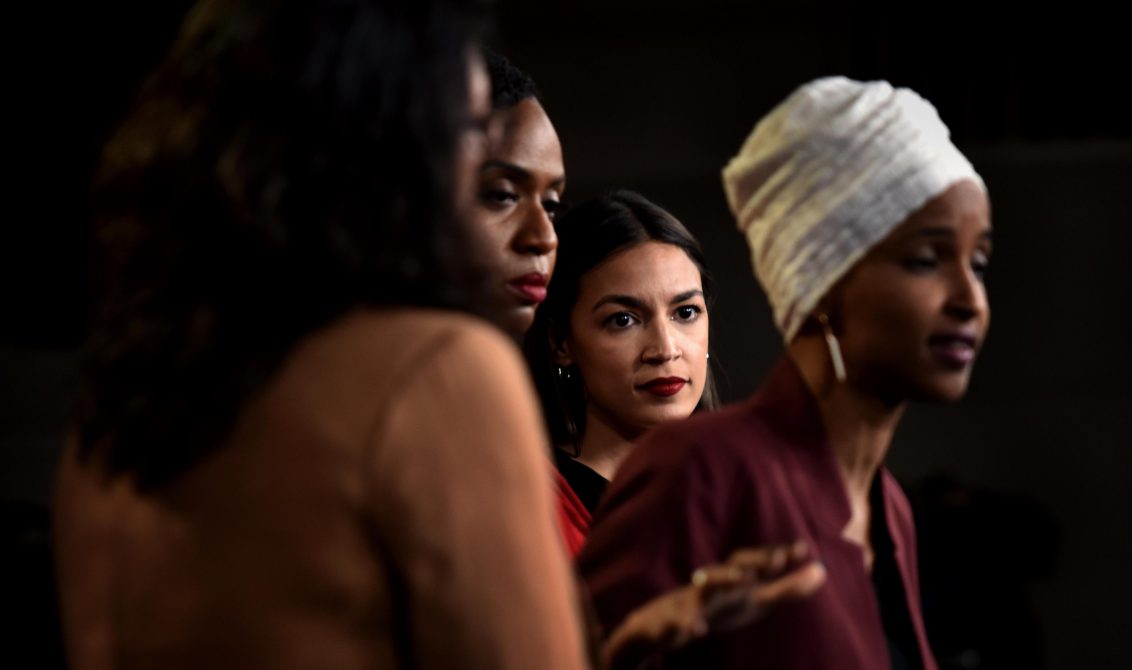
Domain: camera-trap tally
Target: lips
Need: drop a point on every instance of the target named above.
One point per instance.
(531, 287)
(954, 350)
(664, 386)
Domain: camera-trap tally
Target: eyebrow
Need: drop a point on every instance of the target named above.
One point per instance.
(945, 231)
(630, 301)
(520, 172)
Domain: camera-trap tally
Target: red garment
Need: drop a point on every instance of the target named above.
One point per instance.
(573, 517)
(757, 473)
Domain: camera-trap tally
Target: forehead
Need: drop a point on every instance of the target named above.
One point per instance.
(524, 133)
(962, 208)
(653, 269)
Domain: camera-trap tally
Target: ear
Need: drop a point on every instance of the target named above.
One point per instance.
(560, 351)
(812, 323)
(829, 304)
(834, 299)
(825, 305)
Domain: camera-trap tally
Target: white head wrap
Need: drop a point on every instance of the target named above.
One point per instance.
(827, 175)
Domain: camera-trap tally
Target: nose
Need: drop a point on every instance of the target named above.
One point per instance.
(967, 296)
(536, 235)
(662, 345)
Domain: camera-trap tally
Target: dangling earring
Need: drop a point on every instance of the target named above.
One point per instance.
(708, 355)
(563, 373)
(834, 348)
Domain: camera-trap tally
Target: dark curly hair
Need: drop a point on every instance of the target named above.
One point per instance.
(288, 161)
(509, 84)
(587, 235)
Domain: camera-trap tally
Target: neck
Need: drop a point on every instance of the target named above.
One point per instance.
(605, 446)
(858, 424)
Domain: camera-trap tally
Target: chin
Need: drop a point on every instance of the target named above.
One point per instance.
(516, 321)
(946, 390)
(669, 413)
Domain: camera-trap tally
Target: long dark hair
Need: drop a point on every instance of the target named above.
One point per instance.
(287, 162)
(587, 235)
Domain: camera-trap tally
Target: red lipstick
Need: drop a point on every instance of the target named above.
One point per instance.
(664, 386)
(531, 287)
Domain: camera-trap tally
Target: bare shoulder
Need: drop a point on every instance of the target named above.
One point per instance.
(383, 344)
(414, 326)
(464, 345)
(456, 362)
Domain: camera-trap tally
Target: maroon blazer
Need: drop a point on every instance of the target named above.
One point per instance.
(760, 472)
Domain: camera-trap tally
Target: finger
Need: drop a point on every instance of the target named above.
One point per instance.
(799, 550)
(690, 628)
(777, 560)
(742, 604)
(765, 561)
(750, 558)
(798, 583)
(681, 619)
(712, 577)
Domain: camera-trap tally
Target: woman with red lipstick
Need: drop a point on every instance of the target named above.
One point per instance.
(519, 192)
(870, 233)
(621, 344)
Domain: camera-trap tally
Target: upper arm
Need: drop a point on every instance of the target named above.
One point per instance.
(461, 496)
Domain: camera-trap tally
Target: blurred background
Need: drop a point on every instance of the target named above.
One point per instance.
(1022, 491)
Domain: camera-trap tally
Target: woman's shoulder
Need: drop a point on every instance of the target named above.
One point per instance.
(411, 337)
(413, 326)
(371, 363)
(453, 386)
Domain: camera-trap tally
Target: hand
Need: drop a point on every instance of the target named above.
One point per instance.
(719, 598)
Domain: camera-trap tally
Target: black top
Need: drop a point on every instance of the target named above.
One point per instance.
(587, 484)
(903, 650)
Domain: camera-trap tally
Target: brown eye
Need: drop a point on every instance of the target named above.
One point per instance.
(922, 262)
(687, 313)
(498, 196)
(979, 265)
(553, 208)
(620, 320)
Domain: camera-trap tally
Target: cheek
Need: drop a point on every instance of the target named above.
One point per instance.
(886, 321)
(552, 261)
(986, 311)
(605, 361)
(488, 246)
(617, 354)
(697, 349)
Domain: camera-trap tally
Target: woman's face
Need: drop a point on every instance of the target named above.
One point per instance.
(519, 187)
(639, 338)
(912, 314)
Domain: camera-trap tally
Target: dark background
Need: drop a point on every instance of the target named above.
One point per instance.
(1021, 491)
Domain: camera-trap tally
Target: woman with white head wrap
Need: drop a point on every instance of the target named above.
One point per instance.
(869, 232)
